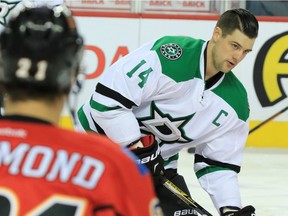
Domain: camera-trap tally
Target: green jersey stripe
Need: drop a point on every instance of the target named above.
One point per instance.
(83, 119)
(210, 169)
(101, 107)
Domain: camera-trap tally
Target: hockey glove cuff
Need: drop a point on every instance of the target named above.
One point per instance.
(234, 211)
(150, 155)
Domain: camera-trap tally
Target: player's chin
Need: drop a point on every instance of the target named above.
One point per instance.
(226, 70)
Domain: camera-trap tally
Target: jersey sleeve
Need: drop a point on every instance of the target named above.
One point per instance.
(131, 81)
(217, 164)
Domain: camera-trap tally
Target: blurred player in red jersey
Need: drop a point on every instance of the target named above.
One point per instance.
(44, 169)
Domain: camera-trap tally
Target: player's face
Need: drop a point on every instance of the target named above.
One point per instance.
(230, 50)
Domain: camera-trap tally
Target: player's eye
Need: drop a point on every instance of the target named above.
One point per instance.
(235, 46)
(247, 51)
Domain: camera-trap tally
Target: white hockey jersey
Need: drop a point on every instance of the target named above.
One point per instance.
(160, 89)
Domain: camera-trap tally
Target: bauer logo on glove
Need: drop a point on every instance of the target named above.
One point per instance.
(150, 155)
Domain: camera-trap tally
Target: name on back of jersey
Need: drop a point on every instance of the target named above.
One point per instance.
(49, 164)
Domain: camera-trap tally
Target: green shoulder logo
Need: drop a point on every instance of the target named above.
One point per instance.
(171, 51)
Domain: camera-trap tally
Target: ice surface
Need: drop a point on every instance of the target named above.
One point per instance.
(263, 181)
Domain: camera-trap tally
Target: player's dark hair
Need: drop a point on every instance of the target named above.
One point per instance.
(240, 19)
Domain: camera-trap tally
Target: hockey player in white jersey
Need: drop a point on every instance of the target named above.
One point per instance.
(178, 92)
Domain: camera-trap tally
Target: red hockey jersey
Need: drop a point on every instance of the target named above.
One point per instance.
(46, 170)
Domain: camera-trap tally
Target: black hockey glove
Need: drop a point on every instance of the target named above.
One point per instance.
(150, 156)
(234, 211)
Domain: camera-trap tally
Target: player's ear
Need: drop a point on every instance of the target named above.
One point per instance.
(217, 33)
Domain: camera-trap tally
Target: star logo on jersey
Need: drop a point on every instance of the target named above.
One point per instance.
(171, 51)
(164, 126)
(5, 8)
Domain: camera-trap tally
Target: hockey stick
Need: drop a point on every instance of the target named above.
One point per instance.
(184, 197)
(268, 120)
